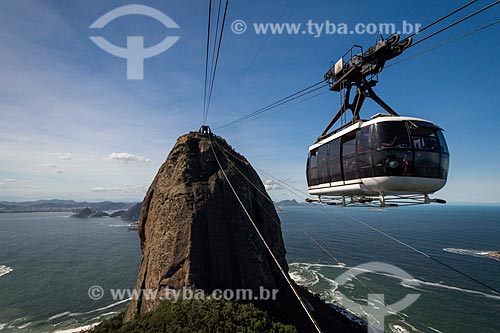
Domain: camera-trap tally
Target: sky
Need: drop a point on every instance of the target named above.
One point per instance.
(72, 126)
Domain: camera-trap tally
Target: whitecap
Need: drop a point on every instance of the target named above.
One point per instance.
(467, 291)
(304, 276)
(100, 309)
(77, 314)
(59, 315)
(24, 326)
(5, 270)
(298, 278)
(434, 329)
(306, 265)
(107, 314)
(398, 329)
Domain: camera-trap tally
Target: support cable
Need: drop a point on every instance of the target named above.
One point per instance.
(206, 62)
(444, 43)
(456, 22)
(280, 102)
(442, 18)
(216, 58)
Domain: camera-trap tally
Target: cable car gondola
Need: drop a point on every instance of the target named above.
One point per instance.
(388, 159)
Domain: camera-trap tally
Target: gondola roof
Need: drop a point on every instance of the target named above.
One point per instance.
(362, 123)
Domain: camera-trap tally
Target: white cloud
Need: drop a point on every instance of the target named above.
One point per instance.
(48, 165)
(271, 185)
(58, 168)
(125, 189)
(13, 183)
(127, 158)
(63, 156)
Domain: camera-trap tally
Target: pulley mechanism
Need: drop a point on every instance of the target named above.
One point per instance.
(360, 70)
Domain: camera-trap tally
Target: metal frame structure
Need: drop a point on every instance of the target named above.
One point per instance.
(361, 71)
(376, 201)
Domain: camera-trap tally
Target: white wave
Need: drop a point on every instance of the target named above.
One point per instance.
(307, 265)
(109, 313)
(467, 291)
(5, 270)
(331, 294)
(59, 315)
(304, 275)
(78, 329)
(409, 286)
(100, 309)
(398, 329)
(105, 315)
(298, 278)
(434, 329)
(77, 314)
(2, 326)
(24, 326)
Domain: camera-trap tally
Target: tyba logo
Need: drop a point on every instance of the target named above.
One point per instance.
(135, 53)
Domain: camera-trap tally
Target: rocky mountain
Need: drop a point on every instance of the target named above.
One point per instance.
(100, 214)
(289, 203)
(84, 213)
(130, 214)
(89, 213)
(118, 213)
(133, 212)
(194, 233)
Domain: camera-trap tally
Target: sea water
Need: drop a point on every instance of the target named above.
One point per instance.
(49, 261)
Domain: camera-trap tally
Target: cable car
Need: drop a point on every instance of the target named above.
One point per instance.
(389, 159)
(385, 156)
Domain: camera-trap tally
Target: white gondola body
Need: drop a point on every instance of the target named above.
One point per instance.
(404, 166)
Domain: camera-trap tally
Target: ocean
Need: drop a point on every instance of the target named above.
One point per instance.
(49, 261)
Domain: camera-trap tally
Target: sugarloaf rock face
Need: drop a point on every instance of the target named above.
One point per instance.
(193, 230)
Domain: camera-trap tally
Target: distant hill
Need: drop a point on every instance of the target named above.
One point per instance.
(60, 206)
(288, 203)
(84, 213)
(133, 213)
(118, 213)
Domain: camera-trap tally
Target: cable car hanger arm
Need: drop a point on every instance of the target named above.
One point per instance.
(363, 90)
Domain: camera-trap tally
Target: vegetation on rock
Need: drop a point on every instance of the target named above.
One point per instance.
(197, 316)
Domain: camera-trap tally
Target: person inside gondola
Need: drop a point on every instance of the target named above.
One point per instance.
(390, 144)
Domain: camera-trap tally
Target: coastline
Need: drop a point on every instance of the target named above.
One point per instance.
(81, 329)
(495, 255)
